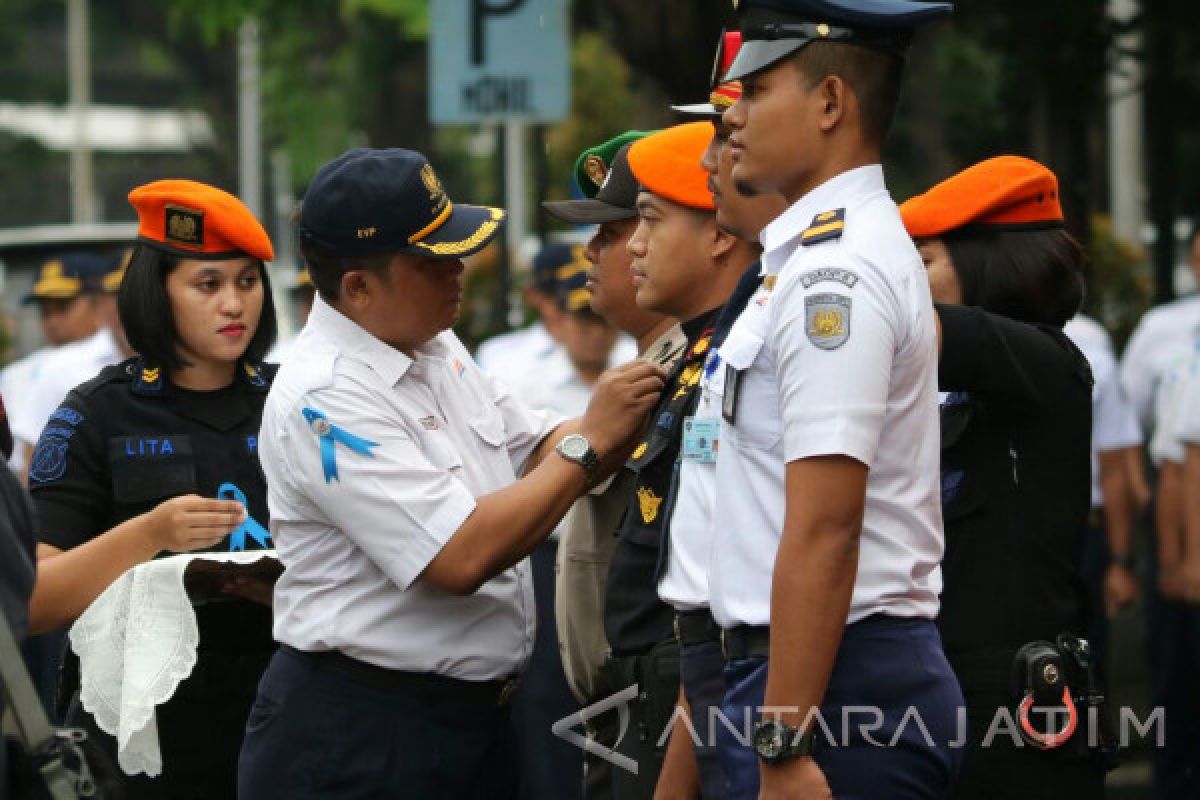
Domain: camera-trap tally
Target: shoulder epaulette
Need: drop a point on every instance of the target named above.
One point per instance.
(259, 374)
(825, 227)
(116, 373)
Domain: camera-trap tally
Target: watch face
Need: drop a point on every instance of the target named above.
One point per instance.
(768, 741)
(575, 446)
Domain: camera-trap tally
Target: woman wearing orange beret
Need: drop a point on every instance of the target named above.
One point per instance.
(158, 455)
(1016, 432)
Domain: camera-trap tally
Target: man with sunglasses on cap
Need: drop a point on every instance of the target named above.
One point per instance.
(64, 292)
(80, 361)
(406, 489)
(825, 564)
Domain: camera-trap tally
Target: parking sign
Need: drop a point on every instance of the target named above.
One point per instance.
(493, 60)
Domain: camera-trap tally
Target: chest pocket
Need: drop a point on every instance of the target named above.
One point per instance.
(151, 467)
(750, 392)
(440, 451)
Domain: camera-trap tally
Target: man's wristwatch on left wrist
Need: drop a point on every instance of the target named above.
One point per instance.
(578, 450)
(776, 742)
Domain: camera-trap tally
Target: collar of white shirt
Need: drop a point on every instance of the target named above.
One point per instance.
(839, 191)
(352, 340)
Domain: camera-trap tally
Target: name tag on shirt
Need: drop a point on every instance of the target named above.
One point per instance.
(700, 437)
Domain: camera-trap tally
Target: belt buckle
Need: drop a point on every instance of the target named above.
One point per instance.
(507, 691)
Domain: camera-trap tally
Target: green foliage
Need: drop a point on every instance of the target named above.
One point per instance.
(602, 106)
(1119, 290)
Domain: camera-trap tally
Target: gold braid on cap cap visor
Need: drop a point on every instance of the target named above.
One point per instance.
(438, 222)
(471, 242)
(57, 287)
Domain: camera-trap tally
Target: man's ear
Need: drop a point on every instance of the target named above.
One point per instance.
(356, 288)
(833, 96)
(722, 242)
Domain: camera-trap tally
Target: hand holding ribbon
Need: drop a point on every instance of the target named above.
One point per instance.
(251, 527)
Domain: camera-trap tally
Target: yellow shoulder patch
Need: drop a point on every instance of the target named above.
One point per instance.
(825, 227)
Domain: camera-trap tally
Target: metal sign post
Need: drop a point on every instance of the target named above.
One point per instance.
(504, 62)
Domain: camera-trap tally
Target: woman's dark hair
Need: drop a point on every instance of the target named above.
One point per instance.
(1034, 276)
(145, 310)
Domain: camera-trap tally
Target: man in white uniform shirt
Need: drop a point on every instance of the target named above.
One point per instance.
(1108, 566)
(405, 611)
(694, 767)
(64, 292)
(828, 518)
(76, 363)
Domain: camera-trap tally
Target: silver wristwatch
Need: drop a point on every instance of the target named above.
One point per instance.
(578, 449)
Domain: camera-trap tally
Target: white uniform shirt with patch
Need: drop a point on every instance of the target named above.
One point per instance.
(58, 373)
(1114, 423)
(684, 584)
(1165, 444)
(838, 358)
(354, 547)
(15, 380)
(1163, 337)
(1185, 423)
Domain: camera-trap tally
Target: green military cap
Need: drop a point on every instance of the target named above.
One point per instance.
(593, 164)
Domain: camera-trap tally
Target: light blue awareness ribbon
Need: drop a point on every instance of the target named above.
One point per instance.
(331, 435)
(237, 540)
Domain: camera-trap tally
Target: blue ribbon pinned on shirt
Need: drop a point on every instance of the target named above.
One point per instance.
(331, 435)
(251, 528)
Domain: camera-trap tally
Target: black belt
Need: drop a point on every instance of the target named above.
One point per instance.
(696, 627)
(746, 641)
(429, 685)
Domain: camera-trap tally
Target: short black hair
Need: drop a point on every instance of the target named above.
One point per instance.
(326, 268)
(873, 75)
(145, 310)
(1034, 276)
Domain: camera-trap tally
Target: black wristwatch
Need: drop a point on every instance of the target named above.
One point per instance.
(578, 449)
(776, 742)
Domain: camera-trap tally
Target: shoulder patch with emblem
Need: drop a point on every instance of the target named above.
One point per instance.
(831, 274)
(827, 320)
(825, 227)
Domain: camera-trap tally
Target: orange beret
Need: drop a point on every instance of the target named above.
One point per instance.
(191, 219)
(667, 163)
(1007, 192)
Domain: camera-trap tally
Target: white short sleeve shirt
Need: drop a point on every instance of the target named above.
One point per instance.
(1114, 423)
(354, 545)
(56, 374)
(835, 355)
(1163, 336)
(689, 536)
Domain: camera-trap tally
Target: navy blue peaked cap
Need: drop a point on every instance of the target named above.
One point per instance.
(774, 29)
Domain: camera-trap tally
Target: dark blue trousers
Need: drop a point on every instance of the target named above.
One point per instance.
(701, 672)
(312, 734)
(891, 711)
(551, 767)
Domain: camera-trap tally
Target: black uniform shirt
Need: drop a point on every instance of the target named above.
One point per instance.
(635, 619)
(1016, 488)
(127, 440)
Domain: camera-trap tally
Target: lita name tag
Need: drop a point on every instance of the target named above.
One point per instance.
(700, 437)
(733, 379)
